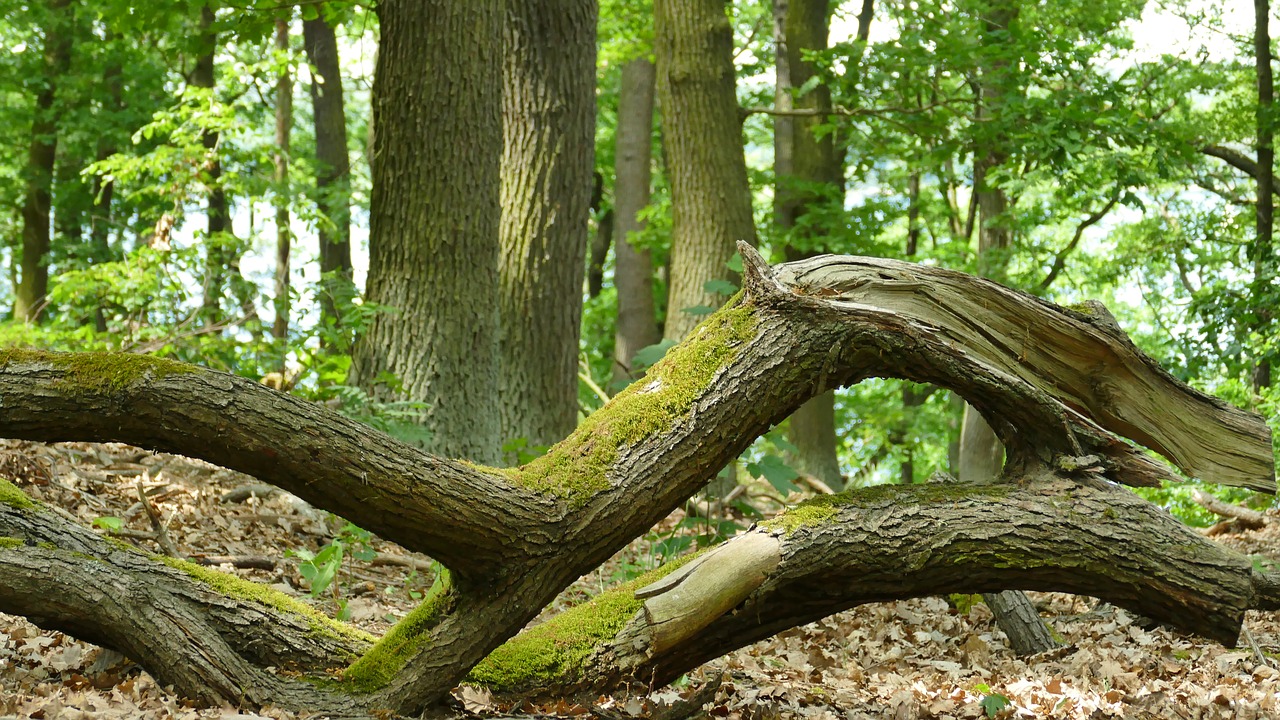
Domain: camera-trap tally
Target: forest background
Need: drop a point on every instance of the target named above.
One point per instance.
(205, 182)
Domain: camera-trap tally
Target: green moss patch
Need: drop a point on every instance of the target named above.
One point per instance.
(379, 665)
(242, 589)
(576, 467)
(12, 496)
(100, 372)
(556, 651)
(9, 543)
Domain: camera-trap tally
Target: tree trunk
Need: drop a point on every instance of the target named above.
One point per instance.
(103, 189)
(808, 171)
(981, 454)
(434, 215)
(633, 268)
(514, 538)
(333, 167)
(284, 121)
(219, 254)
(548, 106)
(1263, 250)
(702, 130)
(29, 296)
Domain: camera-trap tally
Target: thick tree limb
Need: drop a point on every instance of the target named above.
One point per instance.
(1239, 161)
(895, 542)
(1060, 387)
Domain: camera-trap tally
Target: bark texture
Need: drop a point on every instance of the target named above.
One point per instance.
(633, 268)
(29, 295)
(434, 216)
(514, 538)
(333, 165)
(702, 130)
(548, 121)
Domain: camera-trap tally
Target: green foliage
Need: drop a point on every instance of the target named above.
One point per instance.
(992, 702)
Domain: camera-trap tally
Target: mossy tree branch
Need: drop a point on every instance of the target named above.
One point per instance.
(1062, 388)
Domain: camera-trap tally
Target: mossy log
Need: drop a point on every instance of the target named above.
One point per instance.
(1061, 388)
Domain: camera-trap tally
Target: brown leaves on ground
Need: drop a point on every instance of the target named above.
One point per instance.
(893, 661)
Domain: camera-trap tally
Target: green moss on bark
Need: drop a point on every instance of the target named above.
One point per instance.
(242, 589)
(577, 467)
(379, 665)
(12, 496)
(555, 652)
(824, 508)
(8, 543)
(99, 372)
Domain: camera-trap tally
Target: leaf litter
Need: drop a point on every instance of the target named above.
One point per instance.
(922, 658)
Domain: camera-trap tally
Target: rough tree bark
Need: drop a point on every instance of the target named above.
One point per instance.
(29, 295)
(702, 131)
(333, 166)
(1059, 384)
(633, 268)
(434, 216)
(548, 122)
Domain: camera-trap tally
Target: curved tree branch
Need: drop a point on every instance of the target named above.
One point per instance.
(1062, 389)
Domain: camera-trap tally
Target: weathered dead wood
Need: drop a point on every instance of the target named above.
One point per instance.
(209, 641)
(1246, 518)
(896, 542)
(515, 538)
(1078, 356)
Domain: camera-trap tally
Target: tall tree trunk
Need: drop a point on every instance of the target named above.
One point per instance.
(333, 165)
(434, 216)
(104, 187)
(218, 256)
(702, 134)
(29, 296)
(633, 269)
(284, 120)
(702, 129)
(808, 171)
(981, 456)
(981, 453)
(1264, 255)
(548, 76)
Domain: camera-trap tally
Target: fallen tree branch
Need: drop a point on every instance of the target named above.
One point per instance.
(1246, 518)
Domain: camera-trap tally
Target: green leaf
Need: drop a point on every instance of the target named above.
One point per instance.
(778, 473)
(108, 522)
(992, 704)
(699, 310)
(720, 287)
(647, 356)
(734, 263)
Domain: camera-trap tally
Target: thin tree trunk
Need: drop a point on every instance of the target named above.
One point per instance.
(29, 296)
(1264, 256)
(434, 216)
(981, 454)
(284, 120)
(702, 130)
(333, 166)
(633, 268)
(548, 76)
(218, 257)
(802, 162)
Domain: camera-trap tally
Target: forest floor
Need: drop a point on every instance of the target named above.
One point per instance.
(917, 659)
